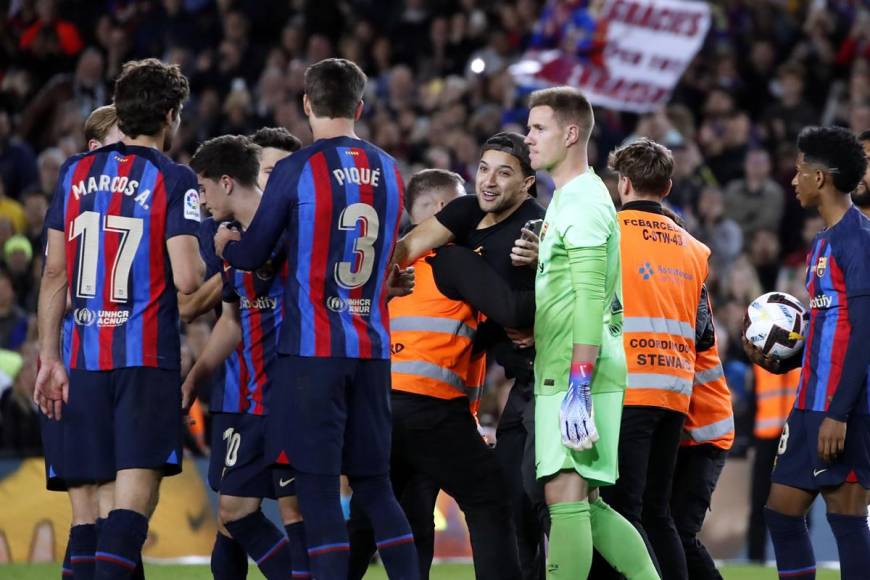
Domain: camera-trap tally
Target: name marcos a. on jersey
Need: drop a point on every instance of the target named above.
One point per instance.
(117, 206)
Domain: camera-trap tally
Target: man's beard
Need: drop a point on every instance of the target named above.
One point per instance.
(861, 196)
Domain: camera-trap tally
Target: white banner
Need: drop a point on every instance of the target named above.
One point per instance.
(626, 55)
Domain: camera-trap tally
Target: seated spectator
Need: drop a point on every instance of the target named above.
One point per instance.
(756, 201)
(17, 161)
(18, 256)
(35, 205)
(721, 234)
(49, 163)
(12, 211)
(13, 319)
(19, 419)
(764, 254)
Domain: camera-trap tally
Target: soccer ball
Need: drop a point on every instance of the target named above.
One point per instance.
(776, 322)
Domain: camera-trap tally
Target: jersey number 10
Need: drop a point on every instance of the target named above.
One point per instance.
(87, 225)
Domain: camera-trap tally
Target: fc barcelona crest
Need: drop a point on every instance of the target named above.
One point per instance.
(821, 266)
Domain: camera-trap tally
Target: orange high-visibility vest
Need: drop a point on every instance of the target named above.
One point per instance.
(431, 342)
(711, 416)
(774, 398)
(663, 269)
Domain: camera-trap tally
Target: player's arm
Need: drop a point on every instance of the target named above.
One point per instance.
(188, 269)
(463, 275)
(51, 384)
(425, 237)
(225, 337)
(204, 299)
(251, 250)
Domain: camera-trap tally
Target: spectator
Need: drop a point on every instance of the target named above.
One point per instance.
(11, 210)
(721, 234)
(19, 419)
(35, 204)
(756, 201)
(785, 119)
(48, 164)
(13, 318)
(18, 257)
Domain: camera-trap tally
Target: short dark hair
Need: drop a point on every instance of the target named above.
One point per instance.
(233, 155)
(428, 179)
(645, 163)
(277, 138)
(334, 87)
(864, 136)
(145, 92)
(513, 144)
(569, 105)
(99, 122)
(838, 151)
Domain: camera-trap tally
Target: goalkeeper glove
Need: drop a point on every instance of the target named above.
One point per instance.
(576, 417)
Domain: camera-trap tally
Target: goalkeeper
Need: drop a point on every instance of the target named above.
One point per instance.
(580, 369)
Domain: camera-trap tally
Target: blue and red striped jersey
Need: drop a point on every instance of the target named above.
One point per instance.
(838, 270)
(117, 206)
(260, 297)
(339, 201)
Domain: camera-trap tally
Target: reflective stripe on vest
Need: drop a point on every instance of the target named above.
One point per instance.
(658, 326)
(658, 381)
(714, 430)
(710, 375)
(432, 371)
(431, 324)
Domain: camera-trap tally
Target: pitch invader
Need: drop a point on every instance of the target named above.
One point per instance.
(122, 239)
(825, 445)
(251, 313)
(339, 202)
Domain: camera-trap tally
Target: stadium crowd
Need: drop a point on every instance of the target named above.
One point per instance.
(767, 69)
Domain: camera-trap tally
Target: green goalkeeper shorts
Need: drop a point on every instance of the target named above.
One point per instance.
(599, 465)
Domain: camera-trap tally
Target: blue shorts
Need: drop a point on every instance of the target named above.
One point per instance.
(52, 448)
(798, 463)
(126, 418)
(238, 467)
(330, 416)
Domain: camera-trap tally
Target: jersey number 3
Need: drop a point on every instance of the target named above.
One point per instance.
(355, 273)
(87, 225)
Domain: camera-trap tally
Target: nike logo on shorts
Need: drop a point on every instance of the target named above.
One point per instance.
(285, 482)
(818, 472)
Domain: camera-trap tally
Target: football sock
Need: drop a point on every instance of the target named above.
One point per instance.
(66, 570)
(853, 544)
(570, 554)
(298, 551)
(325, 530)
(264, 543)
(80, 551)
(393, 535)
(791, 544)
(619, 543)
(229, 561)
(119, 547)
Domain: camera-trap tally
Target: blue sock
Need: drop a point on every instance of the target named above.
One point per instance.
(298, 552)
(325, 529)
(392, 532)
(66, 570)
(81, 547)
(119, 547)
(264, 543)
(853, 545)
(229, 561)
(791, 543)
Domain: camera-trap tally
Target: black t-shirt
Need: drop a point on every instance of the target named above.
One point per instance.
(494, 243)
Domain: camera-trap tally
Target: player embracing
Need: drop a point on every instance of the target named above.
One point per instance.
(580, 368)
(338, 202)
(122, 239)
(825, 445)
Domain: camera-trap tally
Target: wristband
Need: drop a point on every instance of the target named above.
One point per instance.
(581, 372)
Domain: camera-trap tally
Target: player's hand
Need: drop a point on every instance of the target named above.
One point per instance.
(525, 250)
(223, 236)
(522, 338)
(576, 419)
(52, 388)
(768, 363)
(832, 439)
(400, 282)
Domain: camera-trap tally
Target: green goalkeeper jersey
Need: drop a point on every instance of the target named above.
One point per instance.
(581, 215)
